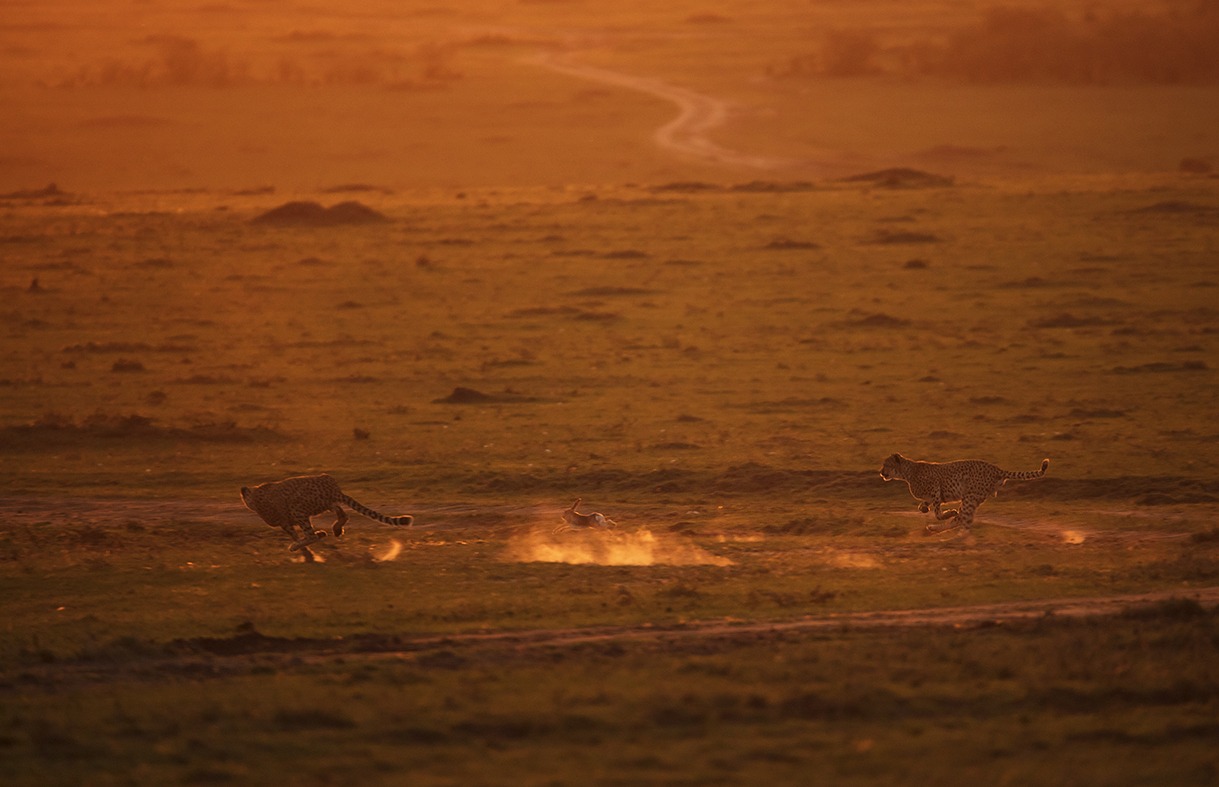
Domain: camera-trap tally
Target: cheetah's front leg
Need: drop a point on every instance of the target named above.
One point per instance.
(962, 519)
(940, 515)
(310, 536)
(934, 507)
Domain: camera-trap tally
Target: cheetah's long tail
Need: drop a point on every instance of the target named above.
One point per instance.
(1027, 474)
(377, 515)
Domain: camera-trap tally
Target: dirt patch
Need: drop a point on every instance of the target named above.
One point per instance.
(891, 238)
(1160, 367)
(873, 320)
(1177, 208)
(788, 244)
(611, 292)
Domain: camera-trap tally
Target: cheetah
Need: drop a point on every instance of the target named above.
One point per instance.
(573, 520)
(970, 481)
(290, 503)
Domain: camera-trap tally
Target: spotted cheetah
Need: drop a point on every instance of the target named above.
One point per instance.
(290, 503)
(933, 483)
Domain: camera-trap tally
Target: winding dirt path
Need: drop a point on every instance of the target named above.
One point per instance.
(686, 134)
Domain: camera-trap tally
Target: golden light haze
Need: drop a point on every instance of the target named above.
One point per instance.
(699, 265)
(298, 96)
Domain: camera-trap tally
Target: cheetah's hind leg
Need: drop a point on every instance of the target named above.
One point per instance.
(340, 520)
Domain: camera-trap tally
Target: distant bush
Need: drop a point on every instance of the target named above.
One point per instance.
(850, 54)
(843, 53)
(1171, 44)
(179, 61)
(1174, 46)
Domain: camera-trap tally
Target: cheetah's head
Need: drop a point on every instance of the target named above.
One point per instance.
(245, 496)
(892, 467)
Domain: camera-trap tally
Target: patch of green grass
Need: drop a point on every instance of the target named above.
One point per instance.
(731, 396)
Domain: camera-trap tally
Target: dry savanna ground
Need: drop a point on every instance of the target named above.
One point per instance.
(514, 256)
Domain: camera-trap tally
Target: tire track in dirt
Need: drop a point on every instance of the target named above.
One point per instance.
(974, 615)
(686, 134)
(249, 650)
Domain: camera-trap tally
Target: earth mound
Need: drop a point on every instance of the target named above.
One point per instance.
(303, 213)
(901, 178)
(463, 395)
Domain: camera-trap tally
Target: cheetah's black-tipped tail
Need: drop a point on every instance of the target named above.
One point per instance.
(1029, 474)
(403, 521)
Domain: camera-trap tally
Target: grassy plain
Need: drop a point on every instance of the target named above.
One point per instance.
(560, 304)
(719, 369)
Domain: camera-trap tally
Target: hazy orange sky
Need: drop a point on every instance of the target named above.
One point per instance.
(294, 96)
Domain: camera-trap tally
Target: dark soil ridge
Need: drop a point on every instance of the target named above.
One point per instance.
(54, 431)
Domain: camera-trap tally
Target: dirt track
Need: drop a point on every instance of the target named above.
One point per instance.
(686, 134)
(956, 617)
(198, 656)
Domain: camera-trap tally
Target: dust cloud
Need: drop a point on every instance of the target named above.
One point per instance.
(390, 553)
(842, 559)
(640, 547)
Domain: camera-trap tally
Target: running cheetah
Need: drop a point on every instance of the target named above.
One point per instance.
(933, 483)
(290, 503)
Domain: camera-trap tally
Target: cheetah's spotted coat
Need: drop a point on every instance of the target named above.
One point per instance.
(934, 483)
(290, 503)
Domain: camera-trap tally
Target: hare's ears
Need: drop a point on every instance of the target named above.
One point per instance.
(573, 506)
